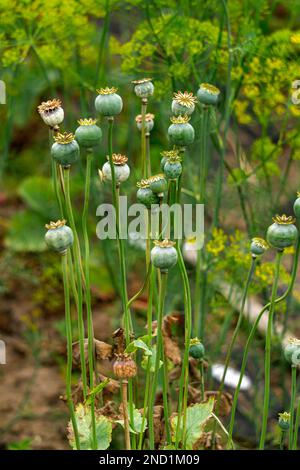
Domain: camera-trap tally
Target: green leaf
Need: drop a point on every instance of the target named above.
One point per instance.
(152, 360)
(138, 425)
(38, 194)
(25, 444)
(84, 424)
(95, 391)
(197, 417)
(138, 344)
(26, 232)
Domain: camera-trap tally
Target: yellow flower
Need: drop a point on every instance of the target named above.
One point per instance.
(218, 242)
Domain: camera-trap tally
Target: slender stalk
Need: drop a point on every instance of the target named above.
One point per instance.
(282, 436)
(122, 263)
(250, 339)
(164, 361)
(119, 240)
(77, 263)
(148, 372)
(64, 263)
(148, 156)
(228, 99)
(124, 388)
(202, 192)
(90, 328)
(292, 406)
(202, 379)
(296, 430)
(143, 139)
(183, 388)
(159, 344)
(233, 339)
(268, 353)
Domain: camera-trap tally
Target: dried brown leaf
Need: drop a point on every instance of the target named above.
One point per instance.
(225, 405)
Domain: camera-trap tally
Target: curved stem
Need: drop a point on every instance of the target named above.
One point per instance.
(292, 406)
(204, 129)
(143, 139)
(282, 436)
(233, 339)
(202, 379)
(296, 430)
(124, 387)
(268, 352)
(250, 339)
(148, 372)
(183, 393)
(77, 263)
(159, 345)
(226, 118)
(64, 263)
(90, 328)
(122, 263)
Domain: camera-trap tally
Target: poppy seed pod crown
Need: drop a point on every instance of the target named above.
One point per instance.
(282, 233)
(59, 236)
(65, 149)
(108, 103)
(183, 103)
(51, 112)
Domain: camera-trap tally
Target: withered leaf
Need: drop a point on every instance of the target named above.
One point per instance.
(225, 401)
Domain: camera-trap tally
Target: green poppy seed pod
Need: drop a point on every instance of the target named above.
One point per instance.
(122, 170)
(65, 150)
(163, 162)
(145, 195)
(88, 135)
(164, 255)
(296, 357)
(166, 155)
(258, 246)
(284, 421)
(51, 112)
(208, 94)
(297, 206)
(282, 233)
(172, 169)
(108, 103)
(143, 88)
(149, 122)
(59, 236)
(183, 103)
(158, 184)
(292, 346)
(124, 366)
(197, 350)
(181, 132)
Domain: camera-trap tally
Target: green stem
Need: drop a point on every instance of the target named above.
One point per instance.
(233, 339)
(143, 139)
(292, 406)
(202, 379)
(64, 262)
(159, 342)
(250, 339)
(161, 277)
(226, 117)
(148, 373)
(90, 328)
(202, 181)
(268, 353)
(122, 263)
(77, 258)
(296, 430)
(282, 436)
